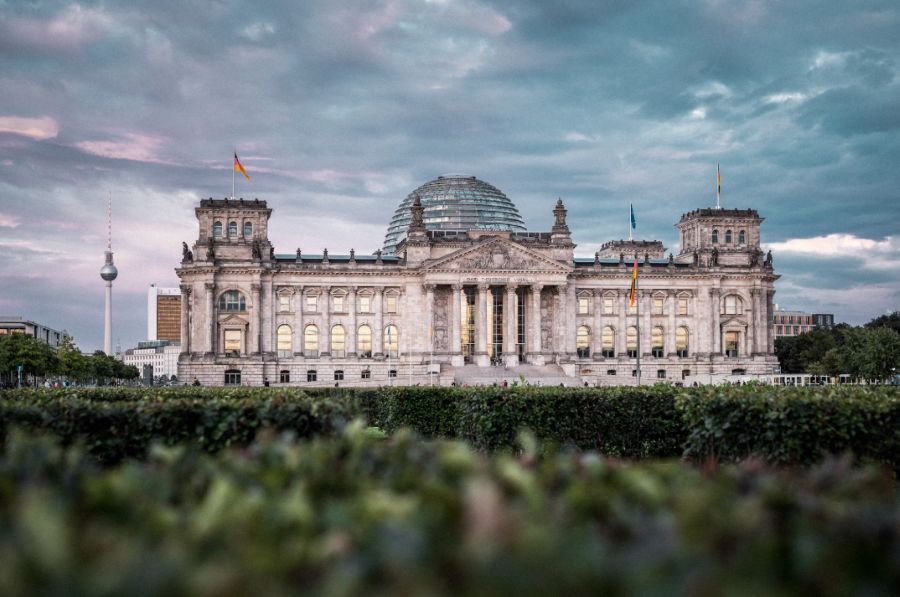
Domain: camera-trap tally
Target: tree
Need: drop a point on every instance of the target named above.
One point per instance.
(36, 358)
(72, 363)
(891, 321)
(871, 353)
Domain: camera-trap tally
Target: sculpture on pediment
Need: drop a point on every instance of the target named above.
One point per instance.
(254, 250)
(500, 257)
(210, 251)
(769, 259)
(714, 257)
(186, 255)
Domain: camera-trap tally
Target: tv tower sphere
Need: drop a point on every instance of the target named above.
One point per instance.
(109, 272)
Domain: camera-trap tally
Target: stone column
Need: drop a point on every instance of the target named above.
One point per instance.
(481, 331)
(559, 322)
(597, 323)
(325, 333)
(770, 310)
(377, 339)
(622, 331)
(672, 306)
(298, 321)
(753, 329)
(510, 327)
(715, 331)
(428, 346)
(646, 325)
(210, 317)
(456, 297)
(267, 318)
(571, 308)
(351, 333)
(536, 358)
(186, 317)
(255, 318)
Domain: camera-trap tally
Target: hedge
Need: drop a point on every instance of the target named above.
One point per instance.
(355, 514)
(780, 425)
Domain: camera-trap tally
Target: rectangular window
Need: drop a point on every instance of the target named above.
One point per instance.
(610, 371)
(609, 305)
(285, 377)
(232, 378)
(731, 343)
(311, 375)
(233, 341)
(392, 373)
(311, 303)
(658, 304)
(682, 306)
(390, 304)
(685, 373)
(338, 375)
(660, 374)
(365, 304)
(366, 374)
(284, 302)
(584, 305)
(338, 303)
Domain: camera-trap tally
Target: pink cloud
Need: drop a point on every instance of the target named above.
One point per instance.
(41, 128)
(9, 221)
(70, 29)
(134, 146)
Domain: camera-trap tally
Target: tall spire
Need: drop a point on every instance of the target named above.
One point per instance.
(109, 273)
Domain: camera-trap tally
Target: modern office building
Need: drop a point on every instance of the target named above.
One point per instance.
(794, 323)
(463, 293)
(162, 355)
(164, 314)
(19, 325)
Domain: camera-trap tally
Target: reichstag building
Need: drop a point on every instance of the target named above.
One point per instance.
(463, 293)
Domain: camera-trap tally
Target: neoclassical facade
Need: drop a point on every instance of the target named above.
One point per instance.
(473, 306)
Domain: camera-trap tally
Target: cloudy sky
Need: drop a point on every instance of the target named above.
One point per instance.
(339, 109)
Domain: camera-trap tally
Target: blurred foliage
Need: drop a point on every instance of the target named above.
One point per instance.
(359, 513)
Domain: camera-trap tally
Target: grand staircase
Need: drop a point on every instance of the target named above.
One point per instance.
(535, 375)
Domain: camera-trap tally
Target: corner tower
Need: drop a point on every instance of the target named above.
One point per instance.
(719, 236)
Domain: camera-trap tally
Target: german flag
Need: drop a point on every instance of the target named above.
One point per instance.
(633, 281)
(238, 167)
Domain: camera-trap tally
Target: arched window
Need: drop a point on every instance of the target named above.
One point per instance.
(681, 341)
(733, 305)
(391, 341)
(364, 341)
(232, 300)
(217, 228)
(285, 340)
(583, 342)
(715, 236)
(608, 339)
(232, 228)
(311, 341)
(631, 340)
(248, 229)
(338, 341)
(742, 238)
(656, 341)
(728, 237)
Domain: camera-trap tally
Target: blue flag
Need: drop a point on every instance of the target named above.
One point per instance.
(633, 222)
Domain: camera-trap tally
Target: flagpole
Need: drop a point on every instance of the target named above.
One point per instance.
(232, 177)
(718, 187)
(630, 220)
(637, 304)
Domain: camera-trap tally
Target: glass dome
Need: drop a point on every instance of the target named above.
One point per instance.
(456, 202)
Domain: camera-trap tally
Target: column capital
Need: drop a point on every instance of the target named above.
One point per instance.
(714, 292)
(429, 287)
(456, 287)
(256, 287)
(754, 291)
(511, 288)
(379, 290)
(484, 287)
(325, 289)
(353, 288)
(561, 289)
(210, 286)
(186, 288)
(537, 287)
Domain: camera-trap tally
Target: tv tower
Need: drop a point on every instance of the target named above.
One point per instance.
(108, 272)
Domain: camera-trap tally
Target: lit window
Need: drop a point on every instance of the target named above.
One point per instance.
(728, 237)
(658, 304)
(284, 340)
(311, 341)
(733, 305)
(715, 236)
(232, 228)
(390, 303)
(681, 341)
(338, 302)
(583, 342)
(232, 377)
(284, 376)
(391, 341)
(631, 340)
(233, 341)
(311, 375)
(608, 339)
(365, 303)
(311, 303)
(656, 342)
(364, 341)
(217, 228)
(583, 305)
(338, 341)
(232, 301)
(248, 229)
(609, 305)
(284, 302)
(731, 343)
(683, 306)
(338, 375)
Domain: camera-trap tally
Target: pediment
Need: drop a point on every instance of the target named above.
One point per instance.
(733, 320)
(234, 320)
(497, 255)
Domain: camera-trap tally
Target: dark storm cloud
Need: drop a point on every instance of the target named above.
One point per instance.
(341, 109)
